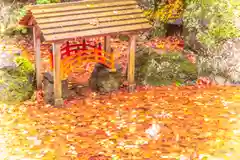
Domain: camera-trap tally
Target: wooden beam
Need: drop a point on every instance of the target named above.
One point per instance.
(131, 62)
(57, 75)
(31, 21)
(37, 48)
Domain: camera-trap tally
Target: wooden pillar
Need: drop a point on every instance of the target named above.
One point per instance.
(107, 44)
(57, 75)
(131, 62)
(107, 49)
(34, 37)
(37, 46)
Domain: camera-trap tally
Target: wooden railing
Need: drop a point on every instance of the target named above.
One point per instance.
(73, 56)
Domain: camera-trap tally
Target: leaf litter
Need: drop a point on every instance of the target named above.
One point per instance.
(154, 123)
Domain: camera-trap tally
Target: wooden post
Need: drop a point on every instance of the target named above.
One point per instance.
(37, 45)
(131, 62)
(107, 49)
(107, 44)
(84, 44)
(34, 37)
(57, 75)
(67, 48)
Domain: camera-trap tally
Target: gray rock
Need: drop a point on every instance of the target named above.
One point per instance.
(156, 69)
(48, 76)
(48, 87)
(223, 67)
(104, 81)
(7, 61)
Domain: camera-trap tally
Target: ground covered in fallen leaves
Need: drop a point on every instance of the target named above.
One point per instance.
(149, 124)
(154, 124)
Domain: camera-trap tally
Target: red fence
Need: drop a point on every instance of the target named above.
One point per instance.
(68, 49)
(73, 56)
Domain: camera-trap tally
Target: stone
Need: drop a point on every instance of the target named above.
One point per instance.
(220, 80)
(103, 80)
(223, 66)
(81, 90)
(156, 69)
(7, 61)
(48, 87)
(59, 102)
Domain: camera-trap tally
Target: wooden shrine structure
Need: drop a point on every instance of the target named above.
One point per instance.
(61, 22)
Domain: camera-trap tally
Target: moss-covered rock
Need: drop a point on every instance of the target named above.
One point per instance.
(104, 81)
(163, 69)
(16, 82)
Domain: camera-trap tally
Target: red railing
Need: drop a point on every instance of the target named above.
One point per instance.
(85, 51)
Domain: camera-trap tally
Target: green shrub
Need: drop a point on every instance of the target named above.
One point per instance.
(15, 88)
(24, 66)
(21, 29)
(212, 20)
(17, 83)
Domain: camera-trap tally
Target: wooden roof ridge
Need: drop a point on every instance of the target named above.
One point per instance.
(64, 4)
(63, 21)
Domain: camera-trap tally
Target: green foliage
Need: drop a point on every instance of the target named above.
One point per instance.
(24, 66)
(43, 1)
(15, 88)
(11, 14)
(123, 37)
(163, 69)
(20, 12)
(47, 1)
(9, 18)
(212, 19)
(152, 10)
(17, 83)
(157, 31)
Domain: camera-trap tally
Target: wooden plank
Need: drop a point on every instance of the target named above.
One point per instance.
(85, 11)
(88, 16)
(57, 75)
(86, 21)
(92, 27)
(38, 9)
(131, 61)
(97, 32)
